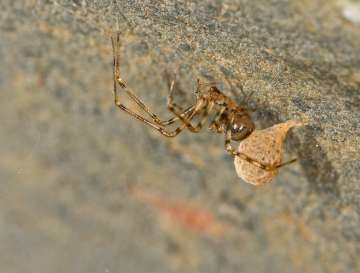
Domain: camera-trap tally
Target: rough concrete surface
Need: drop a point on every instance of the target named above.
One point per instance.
(84, 187)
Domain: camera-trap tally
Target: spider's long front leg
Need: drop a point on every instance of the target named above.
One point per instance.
(116, 79)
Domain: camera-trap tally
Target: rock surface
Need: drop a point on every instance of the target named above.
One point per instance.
(71, 160)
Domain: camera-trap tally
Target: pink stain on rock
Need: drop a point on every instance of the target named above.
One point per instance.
(184, 214)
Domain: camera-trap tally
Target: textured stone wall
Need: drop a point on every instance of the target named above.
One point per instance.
(86, 188)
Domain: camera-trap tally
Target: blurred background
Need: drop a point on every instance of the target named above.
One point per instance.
(84, 187)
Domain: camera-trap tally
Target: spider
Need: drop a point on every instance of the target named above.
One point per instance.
(231, 119)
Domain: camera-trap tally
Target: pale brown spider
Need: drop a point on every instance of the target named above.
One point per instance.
(230, 118)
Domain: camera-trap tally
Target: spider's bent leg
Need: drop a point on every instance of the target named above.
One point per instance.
(175, 119)
(237, 153)
(161, 130)
(197, 90)
(116, 74)
(115, 46)
(201, 86)
(197, 109)
(227, 141)
(171, 87)
(215, 122)
(208, 109)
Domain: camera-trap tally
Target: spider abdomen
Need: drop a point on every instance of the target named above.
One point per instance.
(242, 125)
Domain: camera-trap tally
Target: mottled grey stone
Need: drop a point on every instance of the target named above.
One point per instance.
(86, 188)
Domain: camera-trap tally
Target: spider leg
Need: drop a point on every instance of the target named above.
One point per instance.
(270, 168)
(215, 122)
(201, 86)
(228, 139)
(171, 86)
(253, 161)
(247, 98)
(175, 119)
(117, 79)
(197, 109)
(208, 109)
(115, 42)
(257, 107)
